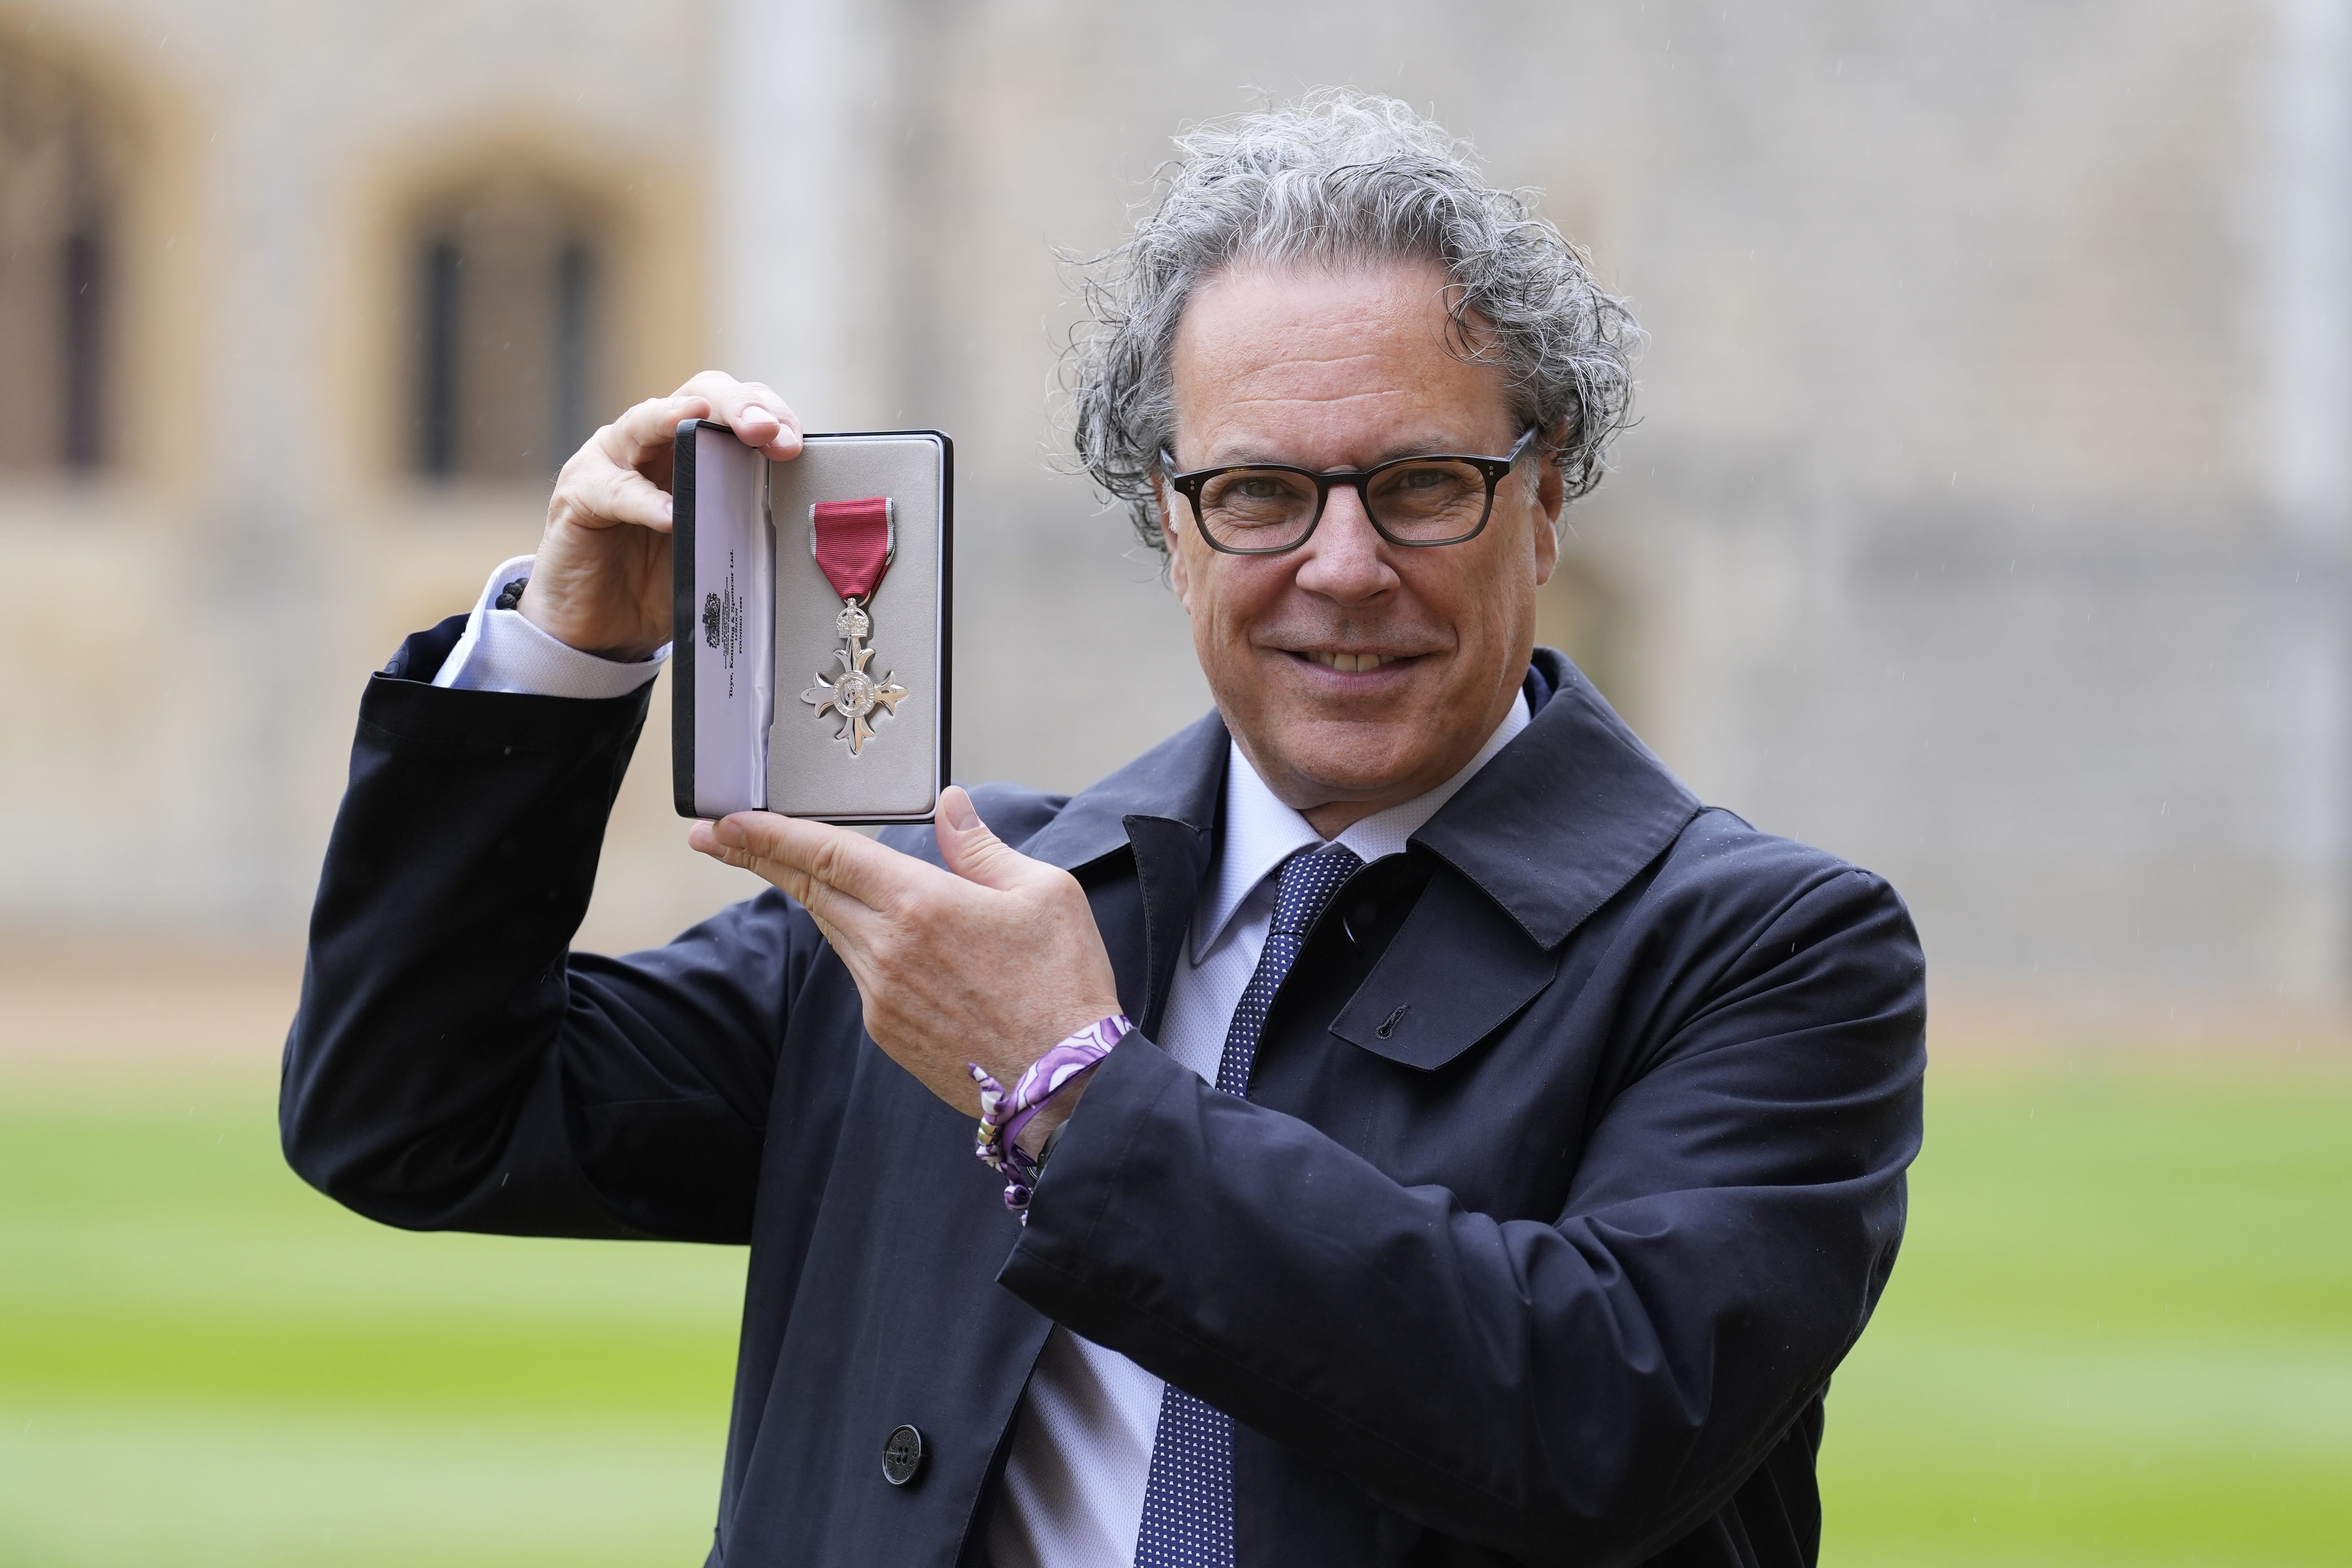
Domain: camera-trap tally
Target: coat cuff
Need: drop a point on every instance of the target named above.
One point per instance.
(399, 705)
(1055, 1267)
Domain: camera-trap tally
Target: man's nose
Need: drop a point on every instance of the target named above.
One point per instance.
(1346, 559)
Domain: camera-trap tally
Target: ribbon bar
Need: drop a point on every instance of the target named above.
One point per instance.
(853, 541)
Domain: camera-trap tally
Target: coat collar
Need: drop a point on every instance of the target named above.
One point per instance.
(1163, 807)
(1565, 815)
(1549, 830)
(1180, 780)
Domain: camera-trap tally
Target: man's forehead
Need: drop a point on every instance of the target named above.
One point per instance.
(1358, 442)
(1359, 430)
(1313, 315)
(1358, 365)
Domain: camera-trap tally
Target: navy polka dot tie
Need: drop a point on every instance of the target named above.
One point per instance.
(1188, 1499)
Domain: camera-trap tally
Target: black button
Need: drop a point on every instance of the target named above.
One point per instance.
(902, 1455)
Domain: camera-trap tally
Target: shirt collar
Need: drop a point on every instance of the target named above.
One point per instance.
(1261, 832)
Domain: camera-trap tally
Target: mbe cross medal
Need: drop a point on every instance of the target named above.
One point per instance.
(853, 542)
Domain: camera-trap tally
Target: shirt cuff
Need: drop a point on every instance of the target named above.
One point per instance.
(502, 650)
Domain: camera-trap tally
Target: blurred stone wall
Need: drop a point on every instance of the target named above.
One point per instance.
(1985, 522)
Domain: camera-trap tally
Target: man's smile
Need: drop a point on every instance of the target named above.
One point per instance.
(1348, 663)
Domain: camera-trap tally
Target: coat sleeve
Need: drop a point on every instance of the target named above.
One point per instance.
(1579, 1390)
(452, 1065)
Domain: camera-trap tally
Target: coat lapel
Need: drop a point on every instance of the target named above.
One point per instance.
(1547, 832)
(1171, 861)
(1565, 815)
(1161, 809)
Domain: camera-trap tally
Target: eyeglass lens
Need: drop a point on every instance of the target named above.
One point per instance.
(1257, 509)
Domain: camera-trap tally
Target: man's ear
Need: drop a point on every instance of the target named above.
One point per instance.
(1551, 500)
(1552, 488)
(1177, 577)
(1547, 550)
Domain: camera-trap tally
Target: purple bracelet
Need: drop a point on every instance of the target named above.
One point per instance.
(1002, 1115)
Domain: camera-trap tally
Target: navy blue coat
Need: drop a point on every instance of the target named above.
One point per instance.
(1572, 1166)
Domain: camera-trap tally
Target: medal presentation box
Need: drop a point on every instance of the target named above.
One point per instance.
(811, 614)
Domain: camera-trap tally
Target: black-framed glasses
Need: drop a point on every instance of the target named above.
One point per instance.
(1264, 509)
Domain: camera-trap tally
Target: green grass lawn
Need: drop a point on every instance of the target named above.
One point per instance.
(2121, 1332)
(203, 1361)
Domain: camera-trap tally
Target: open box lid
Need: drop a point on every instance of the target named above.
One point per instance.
(722, 619)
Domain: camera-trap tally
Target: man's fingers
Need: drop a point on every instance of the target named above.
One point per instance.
(759, 417)
(594, 491)
(872, 874)
(762, 419)
(642, 437)
(971, 850)
(794, 853)
(623, 495)
(743, 842)
(646, 430)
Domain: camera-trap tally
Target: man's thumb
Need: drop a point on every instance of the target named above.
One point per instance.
(971, 850)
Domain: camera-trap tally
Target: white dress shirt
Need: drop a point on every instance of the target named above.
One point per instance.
(501, 650)
(1073, 1483)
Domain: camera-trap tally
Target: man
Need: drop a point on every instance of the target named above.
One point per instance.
(1505, 1149)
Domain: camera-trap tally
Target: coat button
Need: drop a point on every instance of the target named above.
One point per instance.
(902, 1455)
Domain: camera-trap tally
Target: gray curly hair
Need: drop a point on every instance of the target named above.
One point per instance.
(1346, 178)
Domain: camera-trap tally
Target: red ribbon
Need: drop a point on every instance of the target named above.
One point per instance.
(853, 544)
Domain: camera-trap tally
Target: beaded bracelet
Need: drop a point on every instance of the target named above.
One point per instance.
(1002, 1115)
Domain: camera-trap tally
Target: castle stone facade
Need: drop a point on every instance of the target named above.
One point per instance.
(1985, 524)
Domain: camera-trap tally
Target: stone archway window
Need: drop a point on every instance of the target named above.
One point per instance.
(61, 162)
(507, 276)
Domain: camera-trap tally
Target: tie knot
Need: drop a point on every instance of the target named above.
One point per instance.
(1308, 880)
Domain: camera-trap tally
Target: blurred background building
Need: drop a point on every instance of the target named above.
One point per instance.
(1986, 524)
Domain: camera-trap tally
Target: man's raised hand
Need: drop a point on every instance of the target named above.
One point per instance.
(601, 579)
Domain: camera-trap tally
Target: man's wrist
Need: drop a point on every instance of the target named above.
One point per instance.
(1008, 1116)
(503, 649)
(583, 597)
(1036, 1136)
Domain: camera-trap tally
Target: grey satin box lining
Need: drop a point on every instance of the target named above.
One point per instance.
(897, 775)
